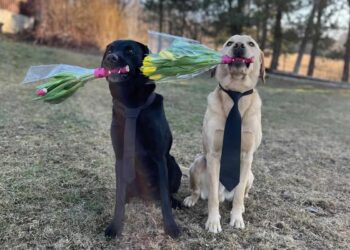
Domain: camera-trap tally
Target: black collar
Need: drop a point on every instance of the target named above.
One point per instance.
(230, 92)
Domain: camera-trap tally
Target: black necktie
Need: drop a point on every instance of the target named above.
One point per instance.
(231, 148)
(128, 161)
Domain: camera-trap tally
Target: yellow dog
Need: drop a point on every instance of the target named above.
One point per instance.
(204, 172)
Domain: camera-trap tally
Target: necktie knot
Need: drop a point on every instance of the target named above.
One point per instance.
(235, 95)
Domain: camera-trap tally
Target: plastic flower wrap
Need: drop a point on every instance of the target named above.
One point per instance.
(184, 60)
(63, 80)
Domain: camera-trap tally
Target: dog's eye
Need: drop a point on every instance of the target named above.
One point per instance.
(229, 44)
(251, 44)
(129, 51)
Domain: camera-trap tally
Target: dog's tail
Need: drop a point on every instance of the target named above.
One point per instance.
(186, 171)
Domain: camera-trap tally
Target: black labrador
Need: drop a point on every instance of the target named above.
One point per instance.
(140, 135)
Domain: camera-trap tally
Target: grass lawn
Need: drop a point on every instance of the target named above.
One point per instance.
(57, 173)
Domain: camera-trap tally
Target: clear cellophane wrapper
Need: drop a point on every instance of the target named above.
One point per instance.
(43, 72)
(191, 57)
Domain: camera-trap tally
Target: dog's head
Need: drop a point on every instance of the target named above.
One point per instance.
(126, 55)
(242, 71)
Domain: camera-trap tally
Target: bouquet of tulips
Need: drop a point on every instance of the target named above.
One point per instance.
(184, 60)
(63, 80)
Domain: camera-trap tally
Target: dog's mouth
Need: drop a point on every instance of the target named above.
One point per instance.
(119, 74)
(241, 61)
(120, 71)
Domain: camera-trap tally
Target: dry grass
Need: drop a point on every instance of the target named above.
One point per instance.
(330, 69)
(81, 23)
(57, 179)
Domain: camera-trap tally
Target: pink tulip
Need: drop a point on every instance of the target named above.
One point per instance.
(227, 59)
(41, 92)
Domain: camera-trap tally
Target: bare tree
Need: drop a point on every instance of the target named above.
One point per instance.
(277, 41)
(264, 24)
(160, 17)
(345, 76)
(262, 17)
(316, 36)
(173, 16)
(236, 25)
(307, 33)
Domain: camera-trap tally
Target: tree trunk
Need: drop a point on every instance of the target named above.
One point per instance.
(258, 31)
(230, 11)
(277, 39)
(160, 25)
(305, 39)
(170, 21)
(236, 26)
(316, 38)
(345, 76)
(183, 25)
(160, 17)
(264, 26)
(240, 9)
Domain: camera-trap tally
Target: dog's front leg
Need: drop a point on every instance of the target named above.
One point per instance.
(116, 226)
(170, 226)
(239, 192)
(213, 223)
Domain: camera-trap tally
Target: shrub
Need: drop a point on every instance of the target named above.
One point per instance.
(79, 23)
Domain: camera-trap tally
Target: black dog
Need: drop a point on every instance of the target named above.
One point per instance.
(141, 137)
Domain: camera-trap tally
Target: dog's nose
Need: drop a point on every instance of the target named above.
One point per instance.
(238, 49)
(112, 58)
(239, 45)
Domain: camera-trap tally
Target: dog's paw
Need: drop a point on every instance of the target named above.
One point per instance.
(190, 201)
(237, 220)
(172, 230)
(213, 224)
(112, 231)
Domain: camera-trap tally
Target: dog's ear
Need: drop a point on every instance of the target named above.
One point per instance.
(212, 72)
(144, 48)
(262, 67)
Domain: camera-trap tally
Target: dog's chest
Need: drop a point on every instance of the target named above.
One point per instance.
(243, 105)
(146, 178)
(119, 123)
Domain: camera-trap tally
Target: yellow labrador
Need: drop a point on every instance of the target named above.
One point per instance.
(204, 172)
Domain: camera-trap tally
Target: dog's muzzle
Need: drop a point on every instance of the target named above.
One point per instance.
(239, 53)
(118, 70)
(239, 50)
